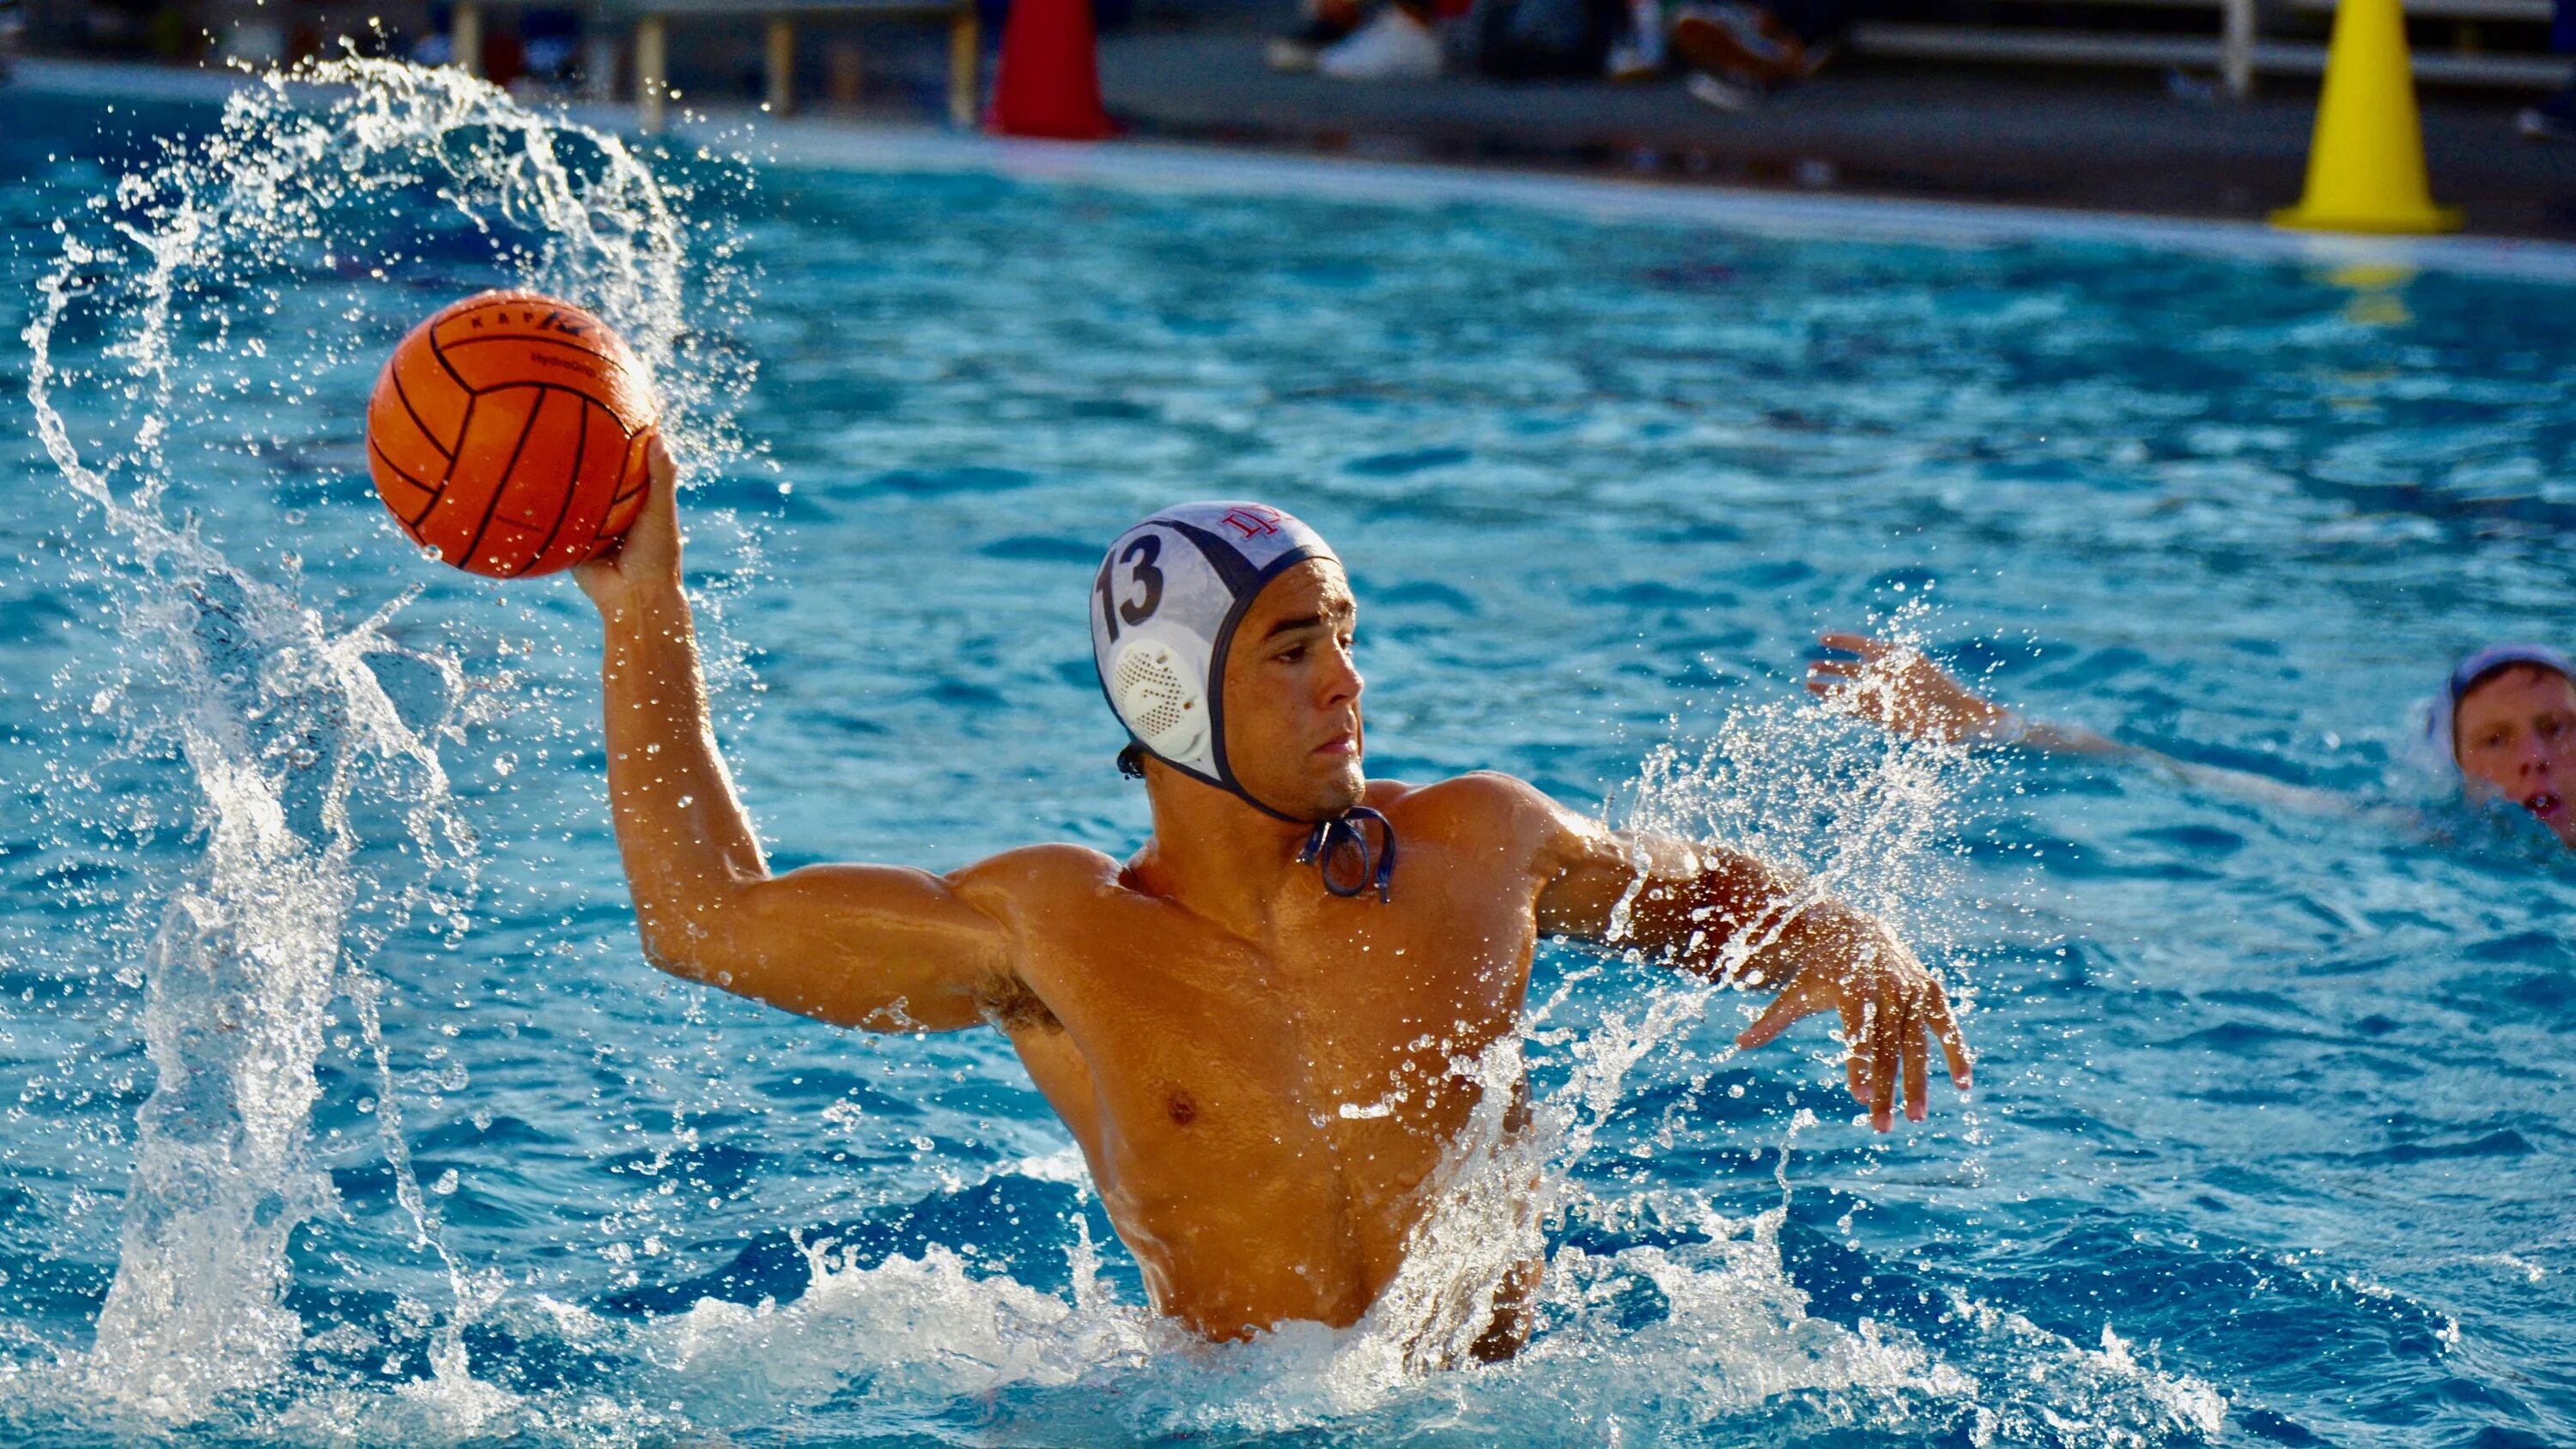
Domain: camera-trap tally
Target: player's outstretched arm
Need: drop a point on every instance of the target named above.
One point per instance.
(1730, 917)
(871, 946)
(1900, 689)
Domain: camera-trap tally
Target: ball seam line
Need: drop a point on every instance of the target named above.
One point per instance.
(410, 525)
(600, 531)
(492, 505)
(435, 350)
(580, 443)
(393, 374)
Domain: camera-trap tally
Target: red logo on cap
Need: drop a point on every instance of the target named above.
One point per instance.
(1253, 521)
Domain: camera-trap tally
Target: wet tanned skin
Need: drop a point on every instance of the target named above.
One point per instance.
(2515, 734)
(1199, 1014)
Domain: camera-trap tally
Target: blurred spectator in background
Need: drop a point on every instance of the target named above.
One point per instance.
(1509, 39)
(2555, 118)
(1402, 43)
(1538, 39)
(1737, 52)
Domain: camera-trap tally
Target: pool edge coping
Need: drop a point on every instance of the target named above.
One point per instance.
(1184, 167)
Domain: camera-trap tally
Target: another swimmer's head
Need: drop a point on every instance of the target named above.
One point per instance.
(2509, 722)
(1246, 597)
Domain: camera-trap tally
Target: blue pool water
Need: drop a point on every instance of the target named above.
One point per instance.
(2271, 1139)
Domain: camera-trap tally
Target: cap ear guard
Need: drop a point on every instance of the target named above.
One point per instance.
(1158, 697)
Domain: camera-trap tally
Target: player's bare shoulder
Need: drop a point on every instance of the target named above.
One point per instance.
(1035, 880)
(1483, 808)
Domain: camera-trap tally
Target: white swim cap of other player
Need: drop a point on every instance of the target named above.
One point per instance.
(2441, 729)
(1163, 613)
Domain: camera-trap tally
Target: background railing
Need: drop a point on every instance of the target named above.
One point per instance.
(2245, 39)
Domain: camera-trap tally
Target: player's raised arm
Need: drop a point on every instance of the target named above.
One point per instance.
(1715, 911)
(872, 946)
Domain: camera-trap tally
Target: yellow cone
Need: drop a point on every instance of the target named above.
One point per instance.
(2366, 164)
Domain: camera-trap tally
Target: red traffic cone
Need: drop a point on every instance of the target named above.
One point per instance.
(1049, 83)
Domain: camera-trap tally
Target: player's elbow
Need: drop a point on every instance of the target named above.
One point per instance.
(689, 944)
(670, 950)
(697, 917)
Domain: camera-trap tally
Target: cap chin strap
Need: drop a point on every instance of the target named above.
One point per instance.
(1343, 833)
(1335, 836)
(1329, 841)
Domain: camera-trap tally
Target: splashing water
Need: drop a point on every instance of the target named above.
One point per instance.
(326, 814)
(196, 349)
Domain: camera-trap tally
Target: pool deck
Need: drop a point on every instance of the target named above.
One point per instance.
(2094, 140)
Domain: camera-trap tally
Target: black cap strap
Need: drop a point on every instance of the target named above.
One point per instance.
(1344, 834)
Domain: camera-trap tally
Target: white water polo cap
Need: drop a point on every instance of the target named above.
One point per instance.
(1164, 609)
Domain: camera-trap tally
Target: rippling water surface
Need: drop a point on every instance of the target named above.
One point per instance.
(342, 1105)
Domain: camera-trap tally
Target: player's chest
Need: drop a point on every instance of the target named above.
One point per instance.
(1354, 974)
(1353, 1021)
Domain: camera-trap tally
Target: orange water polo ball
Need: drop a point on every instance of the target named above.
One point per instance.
(508, 433)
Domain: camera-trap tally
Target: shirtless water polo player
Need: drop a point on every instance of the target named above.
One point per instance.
(1292, 938)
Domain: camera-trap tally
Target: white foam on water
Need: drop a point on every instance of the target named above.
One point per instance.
(168, 359)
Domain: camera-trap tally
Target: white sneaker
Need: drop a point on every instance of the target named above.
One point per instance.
(1394, 46)
(1722, 93)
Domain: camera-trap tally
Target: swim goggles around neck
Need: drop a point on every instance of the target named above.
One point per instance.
(1164, 609)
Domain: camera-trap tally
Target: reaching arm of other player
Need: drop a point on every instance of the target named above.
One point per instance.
(855, 945)
(1899, 688)
(1728, 916)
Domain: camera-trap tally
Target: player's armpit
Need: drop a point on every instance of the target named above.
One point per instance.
(880, 947)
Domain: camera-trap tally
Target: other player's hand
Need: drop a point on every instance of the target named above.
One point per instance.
(1899, 688)
(649, 554)
(1889, 1005)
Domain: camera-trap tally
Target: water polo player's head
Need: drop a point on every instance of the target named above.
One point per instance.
(1222, 632)
(2507, 717)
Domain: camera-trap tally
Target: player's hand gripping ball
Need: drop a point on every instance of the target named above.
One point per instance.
(509, 432)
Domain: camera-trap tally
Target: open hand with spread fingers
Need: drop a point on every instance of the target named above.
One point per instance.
(1891, 1007)
(1900, 688)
